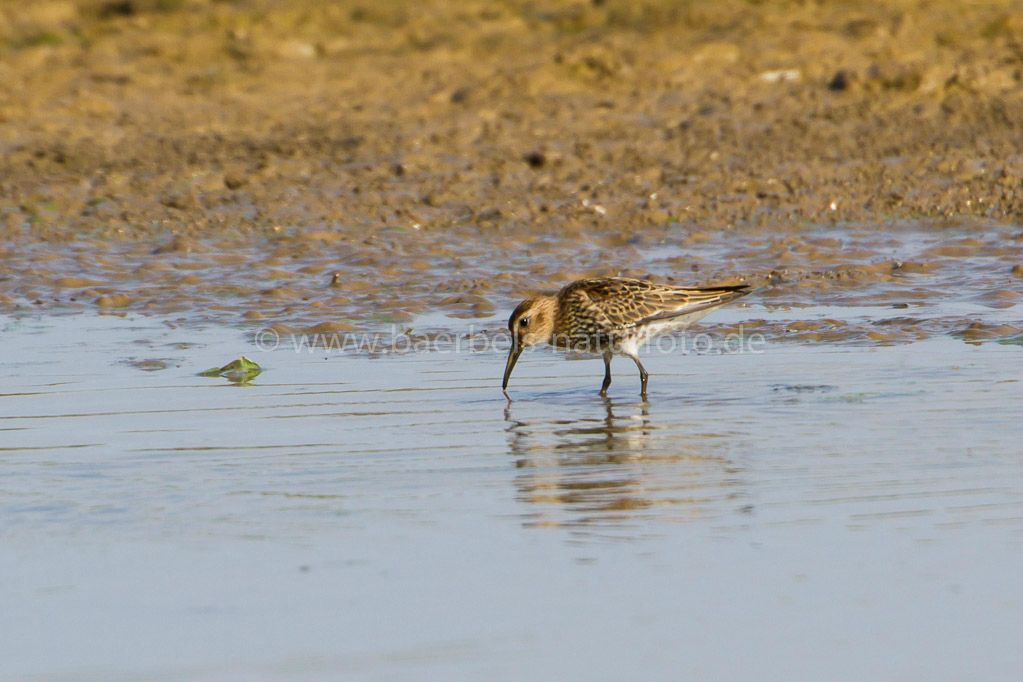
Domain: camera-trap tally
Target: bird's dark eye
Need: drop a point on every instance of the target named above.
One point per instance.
(524, 322)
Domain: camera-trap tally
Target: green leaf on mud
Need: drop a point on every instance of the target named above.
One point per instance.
(1012, 340)
(240, 371)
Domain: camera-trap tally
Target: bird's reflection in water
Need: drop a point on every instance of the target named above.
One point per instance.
(613, 464)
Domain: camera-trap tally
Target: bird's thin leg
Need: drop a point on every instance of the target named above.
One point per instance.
(607, 373)
(643, 376)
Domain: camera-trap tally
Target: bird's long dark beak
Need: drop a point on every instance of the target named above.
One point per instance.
(513, 355)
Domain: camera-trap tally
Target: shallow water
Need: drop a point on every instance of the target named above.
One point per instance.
(806, 511)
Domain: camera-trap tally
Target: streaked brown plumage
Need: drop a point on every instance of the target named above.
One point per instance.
(613, 315)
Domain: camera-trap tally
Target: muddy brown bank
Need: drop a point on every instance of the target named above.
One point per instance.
(332, 165)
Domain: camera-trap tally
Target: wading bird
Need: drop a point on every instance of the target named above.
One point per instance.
(611, 316)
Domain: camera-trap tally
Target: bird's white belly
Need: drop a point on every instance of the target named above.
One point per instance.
(631, 344)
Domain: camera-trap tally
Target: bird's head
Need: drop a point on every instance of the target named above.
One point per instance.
(532, 322)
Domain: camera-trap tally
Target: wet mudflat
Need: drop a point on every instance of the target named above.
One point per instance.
(941, 276)
(846, 511)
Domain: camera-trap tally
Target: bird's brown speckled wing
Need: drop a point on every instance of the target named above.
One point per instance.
(603, 307)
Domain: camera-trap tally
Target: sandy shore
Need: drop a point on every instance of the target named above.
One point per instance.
(143, 117)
